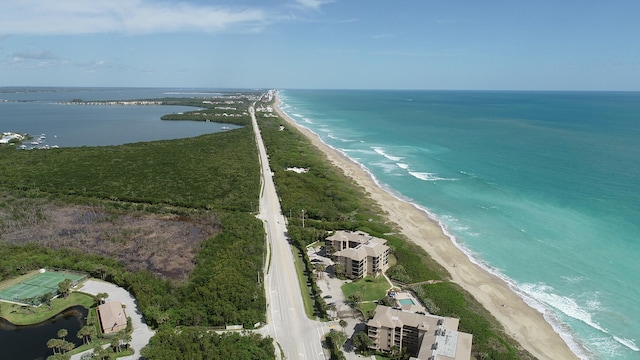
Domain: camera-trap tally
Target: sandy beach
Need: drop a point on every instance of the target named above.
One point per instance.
(521, 321)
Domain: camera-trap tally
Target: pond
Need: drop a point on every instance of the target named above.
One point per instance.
(30, 342)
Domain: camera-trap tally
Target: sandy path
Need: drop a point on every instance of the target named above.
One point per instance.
(521, 321)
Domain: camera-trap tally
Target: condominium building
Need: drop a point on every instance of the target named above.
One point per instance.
(423, 336)
(359, 253)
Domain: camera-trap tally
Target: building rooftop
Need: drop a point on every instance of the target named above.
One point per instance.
(441, 339)
(112, 317)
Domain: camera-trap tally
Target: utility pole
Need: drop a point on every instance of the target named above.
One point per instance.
(303, 218)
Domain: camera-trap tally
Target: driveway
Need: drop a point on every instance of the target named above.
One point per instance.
(141, 332)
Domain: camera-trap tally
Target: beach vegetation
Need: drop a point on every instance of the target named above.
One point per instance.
(489, 337)
(332, 201)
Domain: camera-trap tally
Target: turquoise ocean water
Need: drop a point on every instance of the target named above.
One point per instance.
(541, 188)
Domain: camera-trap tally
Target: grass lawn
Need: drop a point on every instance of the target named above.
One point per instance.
(27, 315)
(371, 288)
(368, 308)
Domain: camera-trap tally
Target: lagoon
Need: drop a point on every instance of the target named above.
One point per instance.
(39, 111)
(30, 342)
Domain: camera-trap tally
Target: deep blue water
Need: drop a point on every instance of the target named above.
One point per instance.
(542, 188)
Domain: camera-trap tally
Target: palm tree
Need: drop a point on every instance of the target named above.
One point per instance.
(62, 333)
(126, 338)
(66, 346)
(343, 324)
(85, 333)
(53, 344)
(100, 297)
(115, 344)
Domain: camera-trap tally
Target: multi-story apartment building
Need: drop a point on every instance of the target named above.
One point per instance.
(359, 253)
(422, 336)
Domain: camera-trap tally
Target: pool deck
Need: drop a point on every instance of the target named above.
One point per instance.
(403, 296)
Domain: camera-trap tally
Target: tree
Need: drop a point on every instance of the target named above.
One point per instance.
(86, 332)
(115, 343)
(100, 354)
(62, 333)
(66, 346)
(355, 299)
(362, 341)
(64, 287)
(343, 324)
(100, 297)
(54, 344)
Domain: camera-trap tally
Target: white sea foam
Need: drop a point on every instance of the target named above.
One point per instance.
(381, 151)
(628, 343)
(425, 176)
(403, 166)
(559, 327)
(339, 138)
(386, 167)
(358, 151)
(570, 307)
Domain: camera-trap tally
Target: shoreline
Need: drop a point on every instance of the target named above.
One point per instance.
(520, 320)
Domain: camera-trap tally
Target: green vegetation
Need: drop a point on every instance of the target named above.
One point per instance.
(371, 288)
(193, 343)
(489, 341)
(332, 201)
(334, 341)
(215, 175)
(27, 315)
(217, 171)
(212, 176)
(303, 280)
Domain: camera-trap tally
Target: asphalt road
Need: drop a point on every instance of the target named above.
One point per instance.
(297, 336)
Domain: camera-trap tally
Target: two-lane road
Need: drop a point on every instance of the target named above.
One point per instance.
(297, 336)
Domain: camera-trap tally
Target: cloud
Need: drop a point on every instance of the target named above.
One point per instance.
(313, 4)
(71, 17)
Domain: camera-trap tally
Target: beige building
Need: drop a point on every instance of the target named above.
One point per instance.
(359, 253)
(425, 337)
(112, 317)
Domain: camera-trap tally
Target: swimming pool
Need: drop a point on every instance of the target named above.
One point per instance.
(406, 302)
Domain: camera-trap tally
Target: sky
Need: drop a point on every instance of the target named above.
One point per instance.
(322, 44)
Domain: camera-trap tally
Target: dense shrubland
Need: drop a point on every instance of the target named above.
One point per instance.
(212, 176)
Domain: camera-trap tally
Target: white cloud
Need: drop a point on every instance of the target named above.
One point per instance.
(313, 4)
(63, 17)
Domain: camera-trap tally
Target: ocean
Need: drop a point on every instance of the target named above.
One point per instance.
(540, 188)
(38, 111)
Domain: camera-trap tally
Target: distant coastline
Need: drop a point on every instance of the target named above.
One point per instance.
(114, 103)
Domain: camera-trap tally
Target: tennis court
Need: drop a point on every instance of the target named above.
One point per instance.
(36, 286)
